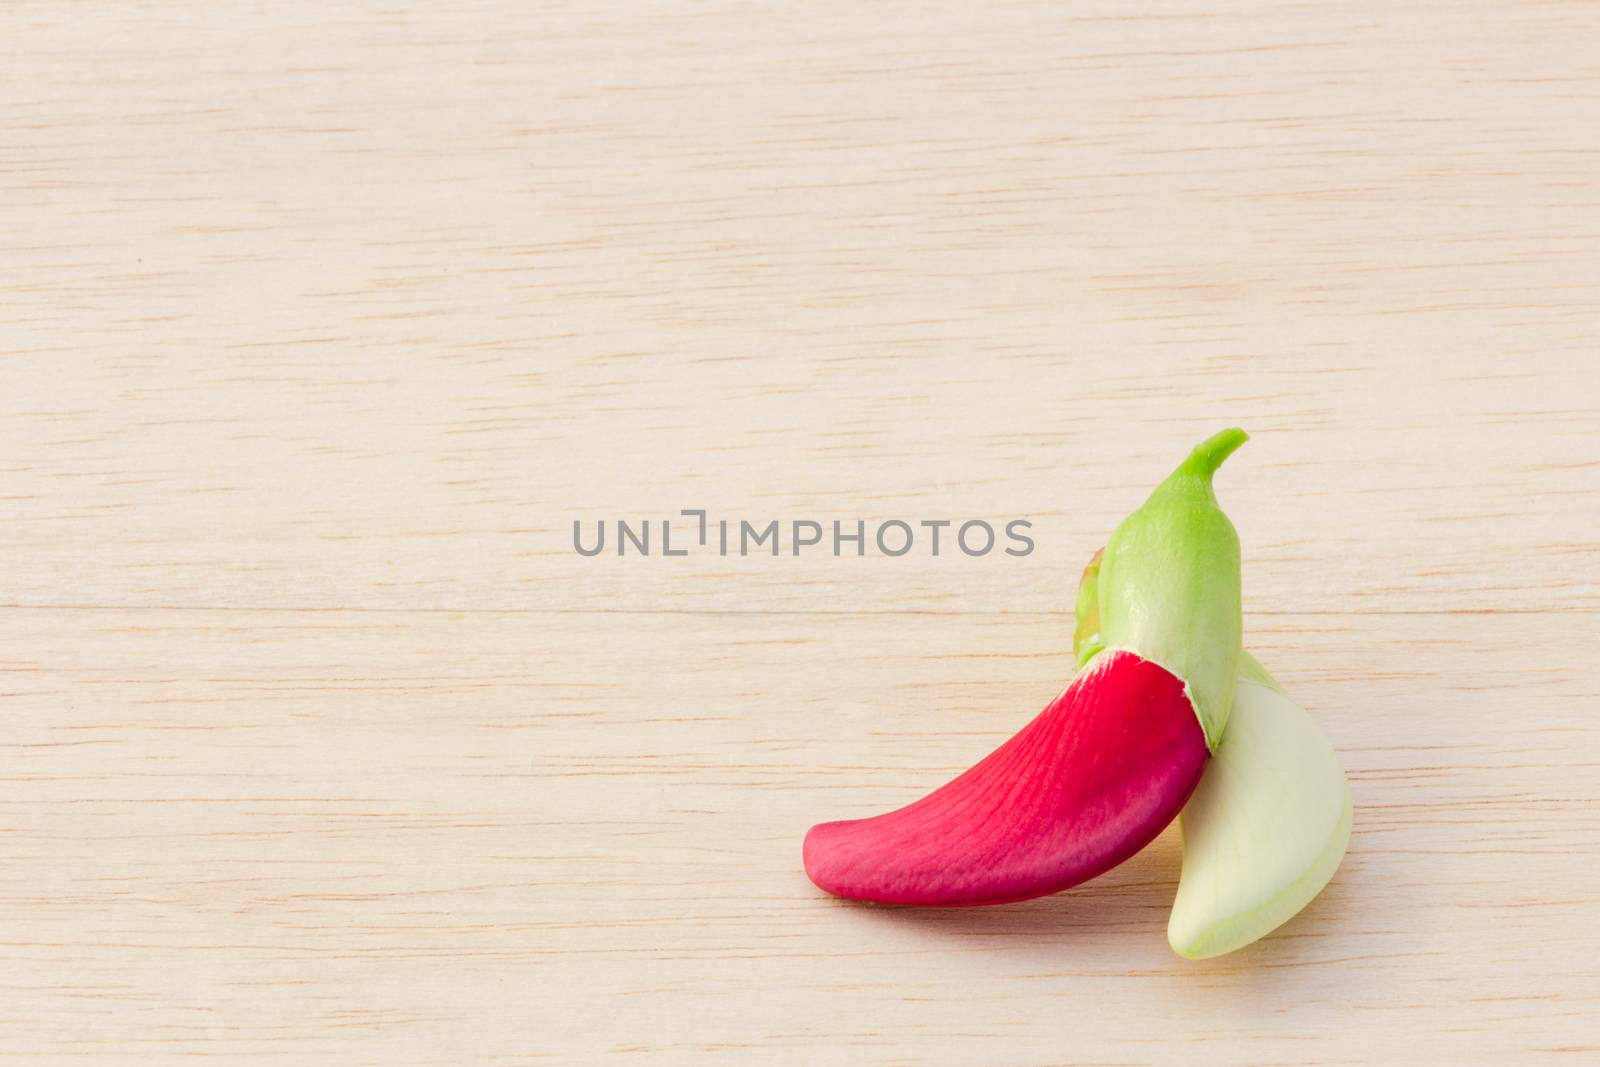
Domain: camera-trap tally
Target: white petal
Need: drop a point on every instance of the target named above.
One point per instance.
(1265, 829)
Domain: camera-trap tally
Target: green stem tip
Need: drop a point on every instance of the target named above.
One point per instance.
(1209, 454)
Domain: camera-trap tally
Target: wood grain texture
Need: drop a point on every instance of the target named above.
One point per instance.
(321, 326)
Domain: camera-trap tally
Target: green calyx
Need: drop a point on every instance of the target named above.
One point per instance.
(1166, 586)
(1086, 637)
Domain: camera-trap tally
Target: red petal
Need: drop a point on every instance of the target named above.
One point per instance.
(1089, 782)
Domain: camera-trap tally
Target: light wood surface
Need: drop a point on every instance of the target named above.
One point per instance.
(321, 325)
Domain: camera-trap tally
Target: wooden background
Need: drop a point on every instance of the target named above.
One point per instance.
(321, 325)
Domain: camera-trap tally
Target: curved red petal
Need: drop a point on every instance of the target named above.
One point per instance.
(1088, 783)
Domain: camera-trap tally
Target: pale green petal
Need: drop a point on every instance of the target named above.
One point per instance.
(1266, 828)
